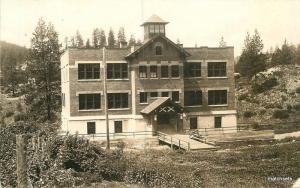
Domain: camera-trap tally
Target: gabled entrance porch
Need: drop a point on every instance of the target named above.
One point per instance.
(164, 115)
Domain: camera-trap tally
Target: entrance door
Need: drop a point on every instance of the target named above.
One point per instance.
(193, 123)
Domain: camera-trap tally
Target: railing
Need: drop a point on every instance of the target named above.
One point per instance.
(173, 141)
(214, 131)
(118, 135)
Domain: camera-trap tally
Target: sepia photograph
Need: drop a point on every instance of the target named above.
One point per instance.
(150, 93)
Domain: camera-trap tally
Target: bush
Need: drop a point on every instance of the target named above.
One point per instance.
(249, 114)
(297, 106)
(20, 117)
(242, 97)
(281, 114)
(265, 86)
(9, 114)
(298, 90)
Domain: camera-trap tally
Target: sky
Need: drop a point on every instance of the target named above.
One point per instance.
(193, 22)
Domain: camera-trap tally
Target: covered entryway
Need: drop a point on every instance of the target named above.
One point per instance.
(164, 115)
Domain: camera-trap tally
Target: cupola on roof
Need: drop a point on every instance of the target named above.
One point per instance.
(154, 19)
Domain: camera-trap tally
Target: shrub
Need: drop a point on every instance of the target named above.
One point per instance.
(289, 107)
(249, 114)
(242, 97)
(9, 114)
(20, 117)
(262, 112)
(255, 125)
(297, 106)
(281, 114)
(298, 90)
(265, 86)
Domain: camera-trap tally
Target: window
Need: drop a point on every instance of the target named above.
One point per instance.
(193, 70)
(153, 71)
(143, 97)
(192, 98)
(161, 29)
(118, 126)
(89, 101)
(175, 96)
(156, 28)
(218, 122)
(117, 71)
(175, 71)
(143, 71)
(165, 94)
(158, 50)
(216, 69)
(117, 100)
(217, 97)
(151, 28)
(88, 71)
(91, 127)
(153, 94)
(193, 123)
(164, 71)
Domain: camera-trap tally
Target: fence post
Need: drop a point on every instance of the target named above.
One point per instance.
(22, 178)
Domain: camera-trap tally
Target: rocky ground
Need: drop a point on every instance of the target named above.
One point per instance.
(269, 97)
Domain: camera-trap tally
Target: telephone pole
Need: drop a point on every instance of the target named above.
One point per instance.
(105, 101)
(22, 178)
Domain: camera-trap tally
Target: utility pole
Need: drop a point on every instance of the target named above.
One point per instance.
(105, 101)
(22, 178)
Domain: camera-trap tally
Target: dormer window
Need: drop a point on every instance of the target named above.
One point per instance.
(158, 50)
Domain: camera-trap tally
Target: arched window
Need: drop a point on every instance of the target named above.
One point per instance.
(158, 50)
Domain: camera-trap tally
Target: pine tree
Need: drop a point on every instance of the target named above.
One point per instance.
(139, 42)
(102, 38)
(111, 39)
(43, 92)
(96, 38)
(78, 40)
(131, 41)
(252, 60)
(87, 44)
(121, 36)
(222, 43)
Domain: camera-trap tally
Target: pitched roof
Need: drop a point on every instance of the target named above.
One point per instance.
(149, 41)
(155, 104)
(159, 102)
(154, 19)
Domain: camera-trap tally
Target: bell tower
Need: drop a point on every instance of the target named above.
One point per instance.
(154, 26)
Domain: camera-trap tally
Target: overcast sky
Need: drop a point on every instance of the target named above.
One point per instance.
(200, 22)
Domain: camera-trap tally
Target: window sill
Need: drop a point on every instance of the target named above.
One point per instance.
(118, 79)
(143, 103)
(195, 106)
(216, 105)
(221, 77)
(154, 78)
(89, 80)
(91, 110)
(115, 109)
(189, 78)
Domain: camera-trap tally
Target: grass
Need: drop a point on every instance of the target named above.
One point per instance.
(244, 166)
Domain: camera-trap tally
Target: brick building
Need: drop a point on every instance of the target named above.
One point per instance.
(158, 86)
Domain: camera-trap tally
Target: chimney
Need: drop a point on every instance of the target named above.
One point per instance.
(123, 44)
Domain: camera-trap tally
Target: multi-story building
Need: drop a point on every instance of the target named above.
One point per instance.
(158, 86)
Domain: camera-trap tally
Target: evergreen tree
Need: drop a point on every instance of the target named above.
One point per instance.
(252, 60)
(102, 38)
(72, 41)
(87, 44)
(284, 56)
(222, 43)
(297, 55)
(43, 92)
(111, 39)
(78, 40)
(131, 41)
(96, 38)
(121, 36)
